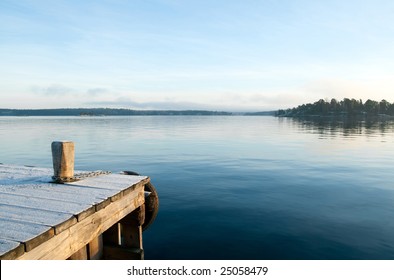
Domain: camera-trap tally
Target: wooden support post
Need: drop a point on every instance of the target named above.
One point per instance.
(131, 231)
(131, 228)
(95, 248)
(131, 235)
(114, 247)
(81, 254)
(63, 159)
(112, 235)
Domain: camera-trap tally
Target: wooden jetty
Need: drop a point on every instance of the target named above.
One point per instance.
(95, 216)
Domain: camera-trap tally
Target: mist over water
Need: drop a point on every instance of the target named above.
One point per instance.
(238, 187)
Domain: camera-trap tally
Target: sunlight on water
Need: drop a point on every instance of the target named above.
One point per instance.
(238, 187)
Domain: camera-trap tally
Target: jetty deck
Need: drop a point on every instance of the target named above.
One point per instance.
(93, 218)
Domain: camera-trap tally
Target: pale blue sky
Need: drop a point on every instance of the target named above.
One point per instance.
(170, 54)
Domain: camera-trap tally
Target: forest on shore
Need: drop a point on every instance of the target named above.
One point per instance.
(345, 107)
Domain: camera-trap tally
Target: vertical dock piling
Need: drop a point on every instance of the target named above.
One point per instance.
(63, 159)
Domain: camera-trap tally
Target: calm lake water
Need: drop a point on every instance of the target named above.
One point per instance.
(238, 187)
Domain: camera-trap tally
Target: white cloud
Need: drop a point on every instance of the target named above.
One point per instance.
(53, 90)
(97, 91)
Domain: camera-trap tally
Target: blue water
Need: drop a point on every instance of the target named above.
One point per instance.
(238, 187)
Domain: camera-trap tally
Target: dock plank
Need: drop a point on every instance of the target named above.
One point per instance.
(66, 193)
(110, 181)
(43, 203)
(31, 235)
(58, 220)
(10, 250)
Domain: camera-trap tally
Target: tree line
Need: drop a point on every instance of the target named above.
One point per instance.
(106, 112)
(346, 107)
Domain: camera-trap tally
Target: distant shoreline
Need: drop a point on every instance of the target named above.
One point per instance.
(339, 117)
(347, 108)
(95, 112)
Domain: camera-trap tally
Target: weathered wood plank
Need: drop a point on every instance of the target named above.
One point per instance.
(74, 208)
(29, 234)
(10, 174)
(80, 192)
(64, 193)
(59, 221)
(110, 181)
(103, 204)
(88, 192)
(43, 203)
(10, 250)
(71, 240)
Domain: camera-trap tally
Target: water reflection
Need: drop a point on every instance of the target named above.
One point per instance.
(343, 127)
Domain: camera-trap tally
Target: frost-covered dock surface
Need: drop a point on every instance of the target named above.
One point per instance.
(78, 220)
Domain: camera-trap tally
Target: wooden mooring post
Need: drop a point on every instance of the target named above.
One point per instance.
(88, 217)
(63, 159)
